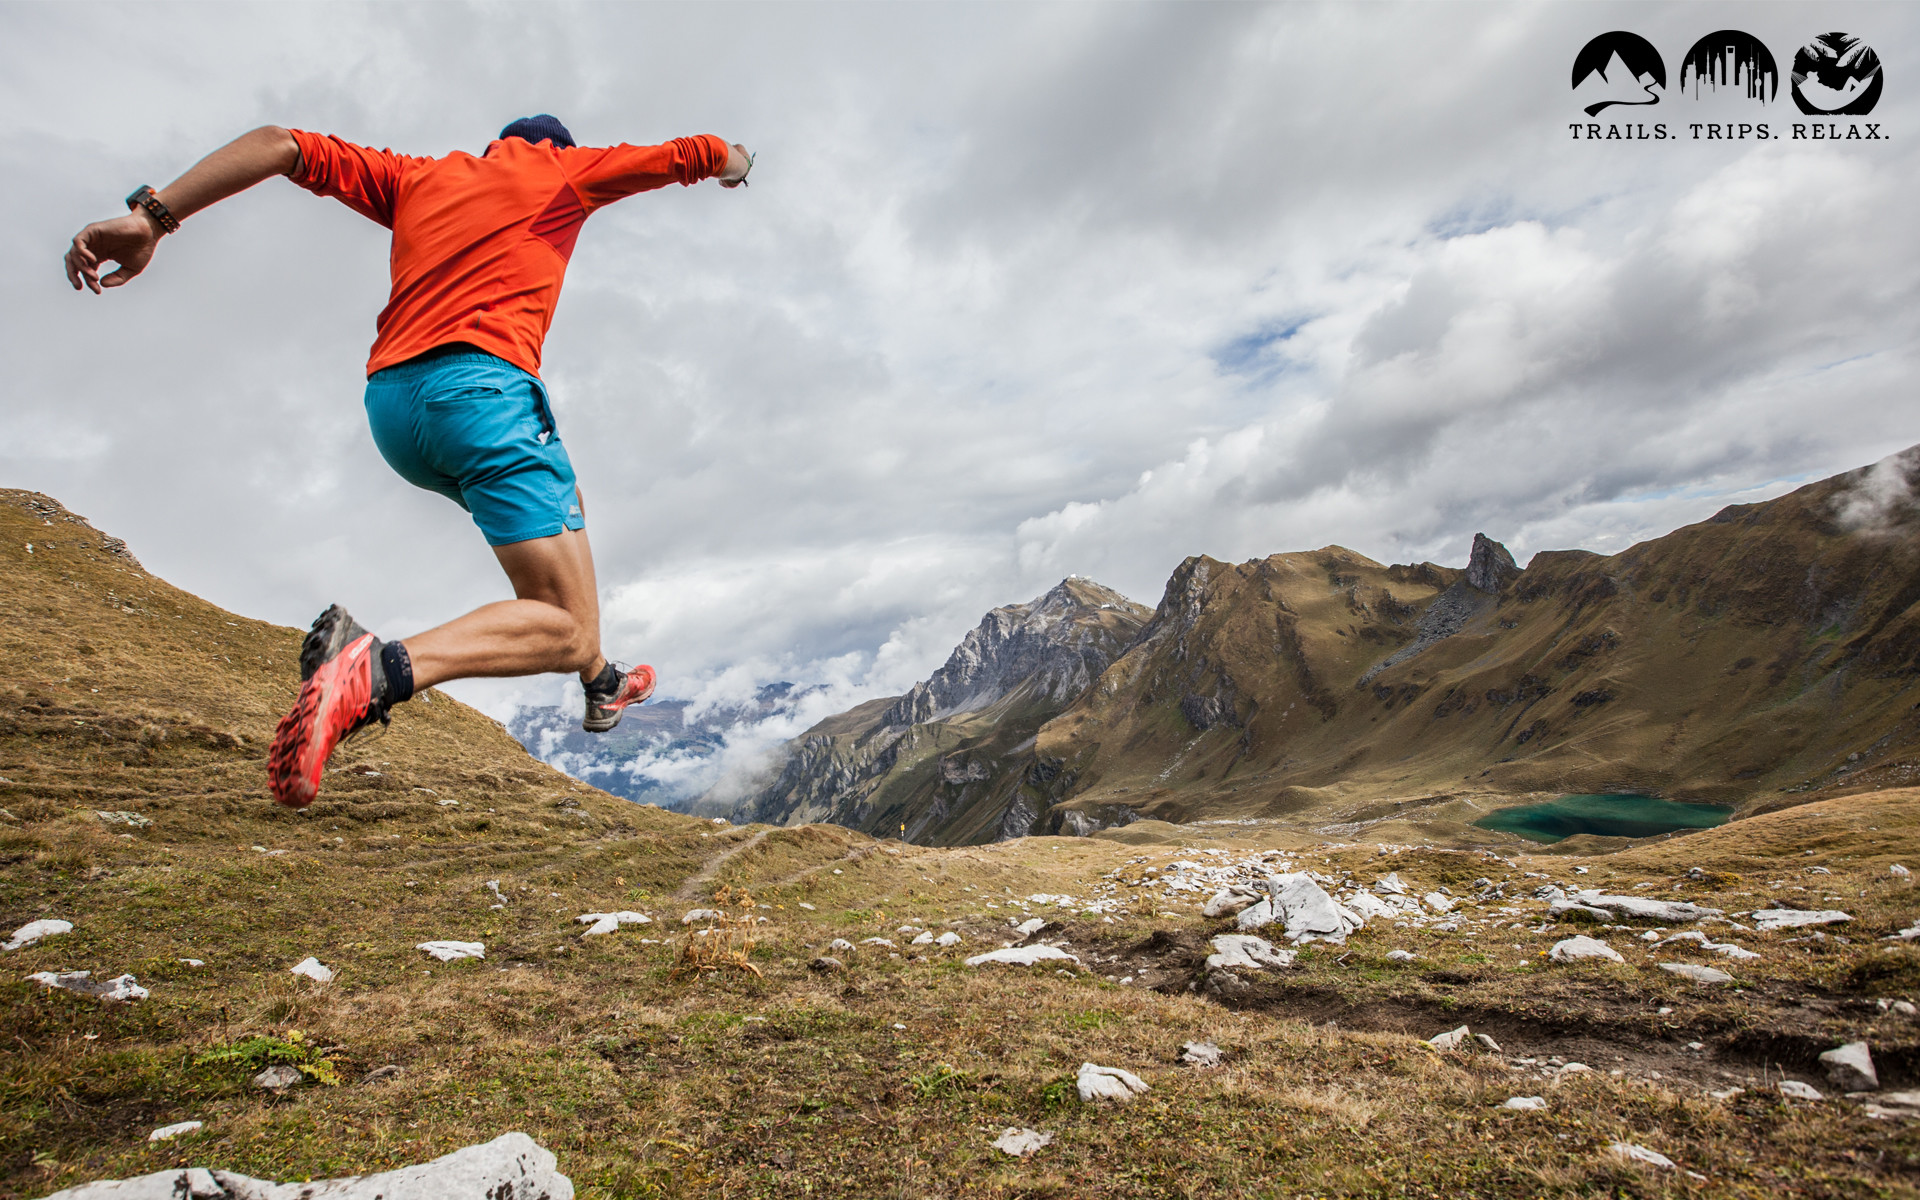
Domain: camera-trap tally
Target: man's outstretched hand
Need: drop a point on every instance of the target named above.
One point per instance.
(128, 241)
(739, 162)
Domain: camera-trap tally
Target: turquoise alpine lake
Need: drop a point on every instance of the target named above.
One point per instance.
(1609, 814)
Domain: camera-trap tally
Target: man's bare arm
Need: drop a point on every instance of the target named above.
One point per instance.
(130, 240)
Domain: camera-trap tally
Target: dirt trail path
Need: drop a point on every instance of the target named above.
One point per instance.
(690, 889)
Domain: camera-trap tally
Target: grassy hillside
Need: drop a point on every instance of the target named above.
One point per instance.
(892, 1077)
(1759, 658)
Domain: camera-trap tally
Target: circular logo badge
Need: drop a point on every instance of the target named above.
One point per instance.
(1836, 75)
(1618, 68)
(1730, 62)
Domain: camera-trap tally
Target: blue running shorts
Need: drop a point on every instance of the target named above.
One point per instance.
(478, 430)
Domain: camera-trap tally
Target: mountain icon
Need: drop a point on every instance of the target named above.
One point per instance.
(1617, 68)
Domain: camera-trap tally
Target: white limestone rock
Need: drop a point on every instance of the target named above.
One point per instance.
(1401, 955)
(1199, 1054)
(168, 1132)
(1573, 910)
(948, 938)
(1108, 1083)
(1023, 956)
(1579, 947)
(1304, 908)
(1850, 1068)
(1245, 951)
(1438, 902)
(1795, 918)
(876, 941)
(1793, 1089)
(1452, 1039)
(1673, 912)
(1640, 1154)
(701, 914)
(33, 931)
(510, 1167)
(1391, 885)
(1525, 1103)
(603, 923)
(450, 951)
(1020, 1142)
(312, 969)
(840, 945)
(1697, 973)
(276, 1079)
(1031, 926)
(1367, 906)
(925, 939)
(1230, 900)
(124, 988)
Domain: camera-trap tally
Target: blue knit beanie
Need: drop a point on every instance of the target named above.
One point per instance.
(539, 129)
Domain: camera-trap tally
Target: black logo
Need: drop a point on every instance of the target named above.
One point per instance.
(1836, 75)
(1733, 60)
(1627, 63)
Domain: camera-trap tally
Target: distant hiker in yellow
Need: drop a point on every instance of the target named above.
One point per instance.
(480, 249)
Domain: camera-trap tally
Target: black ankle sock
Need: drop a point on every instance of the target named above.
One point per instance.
(399, 669)
(606, 683)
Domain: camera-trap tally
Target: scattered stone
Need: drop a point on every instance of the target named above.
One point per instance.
(1438, 902)
(511, 1167)
(449, 951)
(609, 922)
(1390, 886)
(194, 962)
(1696, 973)
(311, 968)
(1903, 1007)
(1200, 1054)
(1579, 947)
(1898, 871)
(1030, 926)
(1108, 1083)
(1487, 1042)
(276, 1079)
(133, 820)
(1020, 1142)
(1525, 1103)
(1794, 918)
(826, 963)
(701, 914)
(389, 1071)
(839, 945)
(1305, 909)
(1367, 906)
(1022, 956)
(169, 1132)
(1246, 951)
(1452, 1039)
(1640, 1154)
(1673, 912)
(120, 987)
(1401, 955)
(925, 939)
(808, 907)
(1850, 1068)
(1793, 1089)
(876, 941)
(1230, 900)
(1573, 910)
(33, 931)
(1727, 1093)
(948, 938)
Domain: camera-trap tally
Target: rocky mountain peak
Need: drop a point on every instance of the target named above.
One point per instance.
(1055, 644)
(1490, 567)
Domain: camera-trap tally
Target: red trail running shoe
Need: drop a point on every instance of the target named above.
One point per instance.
(603, 708)
(340, 663)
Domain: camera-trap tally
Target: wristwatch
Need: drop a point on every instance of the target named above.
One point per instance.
(145, 198)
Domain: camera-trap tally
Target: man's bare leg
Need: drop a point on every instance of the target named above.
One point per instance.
(553, 625)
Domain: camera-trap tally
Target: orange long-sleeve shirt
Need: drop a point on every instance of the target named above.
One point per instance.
(480, 244)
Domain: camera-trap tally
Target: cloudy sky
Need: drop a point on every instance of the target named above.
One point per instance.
(1017, 291)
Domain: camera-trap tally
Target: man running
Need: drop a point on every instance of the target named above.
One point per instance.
(480, 249)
